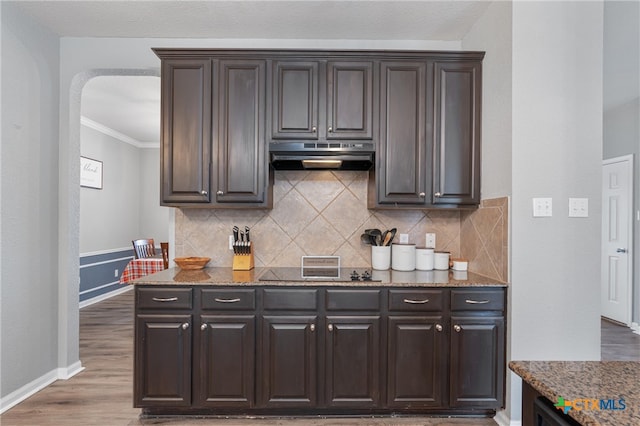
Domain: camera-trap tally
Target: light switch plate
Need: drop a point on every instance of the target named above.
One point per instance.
(230, 242)
(542, 207)
(578, 207)
(404, 238)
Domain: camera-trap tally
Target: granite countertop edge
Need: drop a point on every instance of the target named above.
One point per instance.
(574, 380)
(226, 276)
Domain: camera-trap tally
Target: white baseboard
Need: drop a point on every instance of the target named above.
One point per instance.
(105, 296)
(70, 371)
(19, 395)
(635, 327)
(503, 420)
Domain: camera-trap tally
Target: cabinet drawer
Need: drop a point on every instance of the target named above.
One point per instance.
(290, 299)
(416, 300)
(228, 299)
(477, 300)
(164, 298)
(353, 300)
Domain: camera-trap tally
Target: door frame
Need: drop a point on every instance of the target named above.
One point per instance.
(629, 160)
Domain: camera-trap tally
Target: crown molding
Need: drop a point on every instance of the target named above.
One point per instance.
(87, 122)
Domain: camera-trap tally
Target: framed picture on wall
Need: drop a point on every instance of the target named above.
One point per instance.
(90, 173)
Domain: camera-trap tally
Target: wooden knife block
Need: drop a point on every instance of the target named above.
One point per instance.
(243, 262)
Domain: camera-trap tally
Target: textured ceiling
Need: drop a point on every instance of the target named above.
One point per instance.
(130, 105)
(266, 19)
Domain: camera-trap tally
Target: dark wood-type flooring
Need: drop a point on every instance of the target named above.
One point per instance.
(618, 343)
(102, 393)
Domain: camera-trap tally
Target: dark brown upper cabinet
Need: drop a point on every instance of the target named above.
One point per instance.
(401, 163)
(242, 162)
(214, 151)
(429, 147)
(222, 108)
(186, 130)
(456, 133)
(319, 100)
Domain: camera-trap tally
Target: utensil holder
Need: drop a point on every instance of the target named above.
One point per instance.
(243, 261)
(380, 257)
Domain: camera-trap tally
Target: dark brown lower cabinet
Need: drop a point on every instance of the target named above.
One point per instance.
(477, 361)
(352, 354)
(416, 362)
(163, 360)
(319, 350)
(226, 361)
(288, 361)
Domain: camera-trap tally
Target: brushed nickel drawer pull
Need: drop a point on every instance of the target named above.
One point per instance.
(476, 302)
(330, 327)
(165, 299)
(217, 299)
(438, 327)
(203, 327)
(457, 328)
(185, 325)
(312, 327)
(416, 302)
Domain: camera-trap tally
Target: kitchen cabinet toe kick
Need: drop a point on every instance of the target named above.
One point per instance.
(221, 413)
(319, 351)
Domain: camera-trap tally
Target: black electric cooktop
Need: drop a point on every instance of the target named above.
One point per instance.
(317, 274)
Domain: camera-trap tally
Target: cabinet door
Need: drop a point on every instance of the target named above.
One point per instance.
(186, 130)
(288, 361)
(162, 361)
(416, 363)
(477, 361)
(401, 174)
(350, 100)
(241, 156)
(295, 100)
(225, 376)
(352, 357)
(456, 171)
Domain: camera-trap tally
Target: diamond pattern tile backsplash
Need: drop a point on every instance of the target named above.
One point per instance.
(320, 213)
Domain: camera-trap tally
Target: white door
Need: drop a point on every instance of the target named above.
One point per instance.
(617, 187)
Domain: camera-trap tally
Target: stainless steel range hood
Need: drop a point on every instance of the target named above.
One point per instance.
(322, 155)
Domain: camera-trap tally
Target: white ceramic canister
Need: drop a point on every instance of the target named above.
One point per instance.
(403, 257)
(380, 257)
(441, 260)
(424, 259)
(459, 264)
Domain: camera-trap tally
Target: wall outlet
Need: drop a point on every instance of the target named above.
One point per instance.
(115, 273)
(404, 238)
(430, 240)
(230, 242)
(542, 207)
(578, 207)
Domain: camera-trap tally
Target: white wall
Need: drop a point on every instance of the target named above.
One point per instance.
(556, 152)
(622, 102)
(29, 226)
(153, 220)
(124, 209)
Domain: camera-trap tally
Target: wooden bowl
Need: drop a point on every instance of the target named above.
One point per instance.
(192, 262)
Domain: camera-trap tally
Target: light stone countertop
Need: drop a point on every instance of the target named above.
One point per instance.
(578, 380)
(226, 276)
